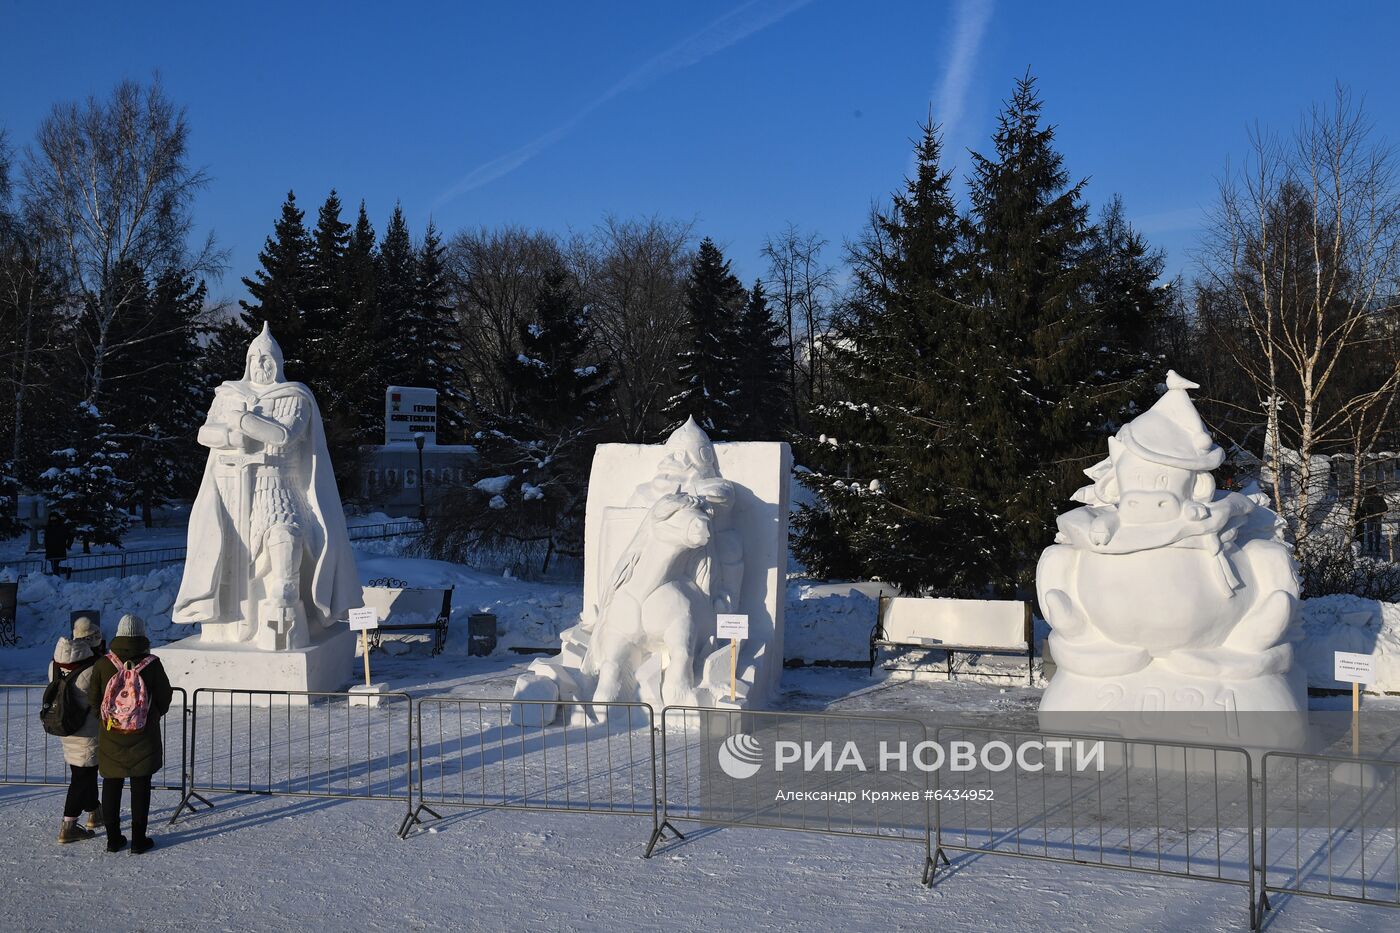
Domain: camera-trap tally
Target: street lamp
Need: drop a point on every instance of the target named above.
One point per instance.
(422, 502)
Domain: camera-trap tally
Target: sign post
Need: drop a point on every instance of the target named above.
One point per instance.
(1355, 669)
(734, 626)
(362, 620)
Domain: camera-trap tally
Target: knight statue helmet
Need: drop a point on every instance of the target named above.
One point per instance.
(264, 361)
(690, 452)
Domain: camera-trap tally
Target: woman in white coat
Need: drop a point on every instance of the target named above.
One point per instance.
(74, 660)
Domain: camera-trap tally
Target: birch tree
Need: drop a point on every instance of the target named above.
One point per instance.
(1301, 270)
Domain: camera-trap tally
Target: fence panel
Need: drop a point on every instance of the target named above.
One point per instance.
(299, 744)
(1164, 808)
(1330, 828)
(32, 756)
(570, 756)
(716, 769)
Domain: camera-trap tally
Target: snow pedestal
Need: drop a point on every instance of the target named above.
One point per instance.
(325, 666)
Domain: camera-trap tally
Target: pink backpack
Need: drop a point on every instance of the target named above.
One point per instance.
(125, 702)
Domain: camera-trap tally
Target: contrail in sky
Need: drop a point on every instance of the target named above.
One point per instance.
(734, 26)
(970, 19)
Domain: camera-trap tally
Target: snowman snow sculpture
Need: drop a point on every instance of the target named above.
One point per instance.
(1165, 595)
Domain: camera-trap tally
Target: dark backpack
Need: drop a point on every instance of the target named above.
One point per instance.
(61, 712)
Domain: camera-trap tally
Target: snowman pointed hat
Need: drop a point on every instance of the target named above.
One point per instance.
(1171, 432)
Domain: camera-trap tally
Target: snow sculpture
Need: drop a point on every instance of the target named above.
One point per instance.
(1164, 594)
(269, 566)
(673, 535)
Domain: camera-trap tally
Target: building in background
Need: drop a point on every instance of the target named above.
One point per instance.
(396, 477)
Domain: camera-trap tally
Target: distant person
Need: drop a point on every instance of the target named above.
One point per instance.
(58, 538)
(88, 631)
(74, 720)
(132, 692)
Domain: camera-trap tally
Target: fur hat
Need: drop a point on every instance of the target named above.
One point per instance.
(84, 629)
(71, 652)
(131, 626)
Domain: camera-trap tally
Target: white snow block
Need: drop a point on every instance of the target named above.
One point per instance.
(532, 686)
(760, 471)
(370, 695)
(324, 667)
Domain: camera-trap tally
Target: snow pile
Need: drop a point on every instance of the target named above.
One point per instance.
(528, 615)
(1348, 623)
(826, 623)
(47, 604)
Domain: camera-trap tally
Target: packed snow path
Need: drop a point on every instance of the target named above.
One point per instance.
(293, 864)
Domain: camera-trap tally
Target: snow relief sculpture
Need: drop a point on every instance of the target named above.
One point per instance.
(674, 534)
(269, 562)
(1163, 593)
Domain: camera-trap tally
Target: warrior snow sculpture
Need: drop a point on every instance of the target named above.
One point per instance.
(269, 560)
(1163, 593)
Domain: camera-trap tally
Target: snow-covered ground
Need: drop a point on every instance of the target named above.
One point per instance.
(294, 864)
(288, 863)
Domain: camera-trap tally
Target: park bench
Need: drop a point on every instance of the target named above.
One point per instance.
(402, 607)
(967, 626)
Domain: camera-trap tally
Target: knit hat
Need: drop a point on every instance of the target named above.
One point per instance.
(84, 629)
(71, 652)
(131, 626)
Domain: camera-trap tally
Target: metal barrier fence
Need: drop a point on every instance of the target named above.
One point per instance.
(299, 744)
(1330, 828)
(1178, 809)
(32, 756)
(570, 756)
(700, 782)
(126, 563)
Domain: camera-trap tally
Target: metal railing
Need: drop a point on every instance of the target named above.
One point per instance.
(568, 756)
(32, 756)
(126, 563)
(1178, 809)
(695, 787)
(299, 744)
(1330, 828)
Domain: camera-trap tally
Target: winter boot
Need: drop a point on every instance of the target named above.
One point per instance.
(94, 820)
(70, 831)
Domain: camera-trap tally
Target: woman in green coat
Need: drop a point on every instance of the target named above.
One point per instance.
(135, 755)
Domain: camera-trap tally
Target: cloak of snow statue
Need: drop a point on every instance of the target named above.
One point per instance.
(269, 566)
(1164, 594)
(662, 557)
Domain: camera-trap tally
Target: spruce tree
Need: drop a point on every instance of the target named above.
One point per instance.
(339, 361)
(328, 289)
(1050, 385)
(440, 343)
(83, 484)
(891, 453)
(761, 405)
(534, 461)
(279, 287)
(706, 370)
(364, 336)
(398, 304)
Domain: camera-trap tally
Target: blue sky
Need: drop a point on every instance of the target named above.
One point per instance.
(740, 117)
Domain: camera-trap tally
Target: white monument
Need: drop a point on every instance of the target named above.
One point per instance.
(1166, 595)
(673, 535)
(269, 574)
